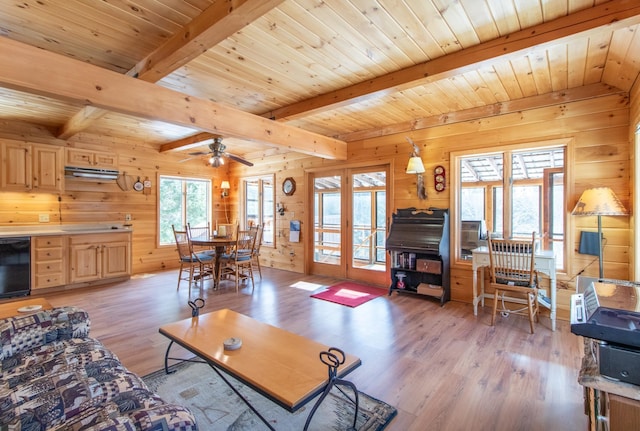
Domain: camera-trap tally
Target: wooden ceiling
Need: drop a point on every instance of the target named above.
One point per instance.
(312, 74)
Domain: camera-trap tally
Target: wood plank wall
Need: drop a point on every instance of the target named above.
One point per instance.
(634, 139)
(598, 128)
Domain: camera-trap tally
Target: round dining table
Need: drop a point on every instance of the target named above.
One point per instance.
(219, 244)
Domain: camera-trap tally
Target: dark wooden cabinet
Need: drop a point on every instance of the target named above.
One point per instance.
(418, 243)
(611, 405)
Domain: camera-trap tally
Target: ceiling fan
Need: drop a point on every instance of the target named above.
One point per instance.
(218, 154)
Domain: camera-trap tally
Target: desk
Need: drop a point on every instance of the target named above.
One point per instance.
(545, 262)
(219, 244)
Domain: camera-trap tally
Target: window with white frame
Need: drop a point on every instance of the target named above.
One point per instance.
(511, 193)
(258, 205)
(182, 200)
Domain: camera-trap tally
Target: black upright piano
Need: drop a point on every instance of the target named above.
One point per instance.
(418, 243)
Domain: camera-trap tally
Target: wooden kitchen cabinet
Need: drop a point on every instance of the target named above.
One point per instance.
(99, 256)
(32, 167)
(48, 255)
(93, 159)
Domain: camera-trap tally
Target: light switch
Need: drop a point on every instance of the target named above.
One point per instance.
(43, 218)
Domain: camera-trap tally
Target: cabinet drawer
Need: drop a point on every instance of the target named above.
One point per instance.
(99, 238)
(49, 267)
(48, 280)
(430, 289)
(48, 254)
(428, 265)
(48, 241)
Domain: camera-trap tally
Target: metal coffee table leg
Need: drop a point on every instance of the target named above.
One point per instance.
(333, 358)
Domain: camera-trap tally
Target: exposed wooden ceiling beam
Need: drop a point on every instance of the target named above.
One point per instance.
(502, 108)
(189, 142)
(33, 70)
(213, 25)
(613, 14)
(79, 121)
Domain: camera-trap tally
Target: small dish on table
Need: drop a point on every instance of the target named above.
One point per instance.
(30, 308)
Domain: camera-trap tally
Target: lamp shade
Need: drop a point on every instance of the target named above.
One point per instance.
(415, 165)
(599, 201)
(225, 185)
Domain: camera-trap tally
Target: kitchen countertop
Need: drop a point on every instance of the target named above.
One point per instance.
(65, 229)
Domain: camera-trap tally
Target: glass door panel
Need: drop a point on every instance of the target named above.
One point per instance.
(368, 216)
(327, 226)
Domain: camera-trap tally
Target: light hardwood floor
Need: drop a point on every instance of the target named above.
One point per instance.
(443, 368)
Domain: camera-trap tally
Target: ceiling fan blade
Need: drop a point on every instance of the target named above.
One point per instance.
(238, 159)
(199, 153)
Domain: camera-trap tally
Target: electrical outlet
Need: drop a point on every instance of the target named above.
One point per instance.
(127, 217)
(43, 218)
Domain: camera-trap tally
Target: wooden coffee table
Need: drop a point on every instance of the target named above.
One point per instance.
(281, 365)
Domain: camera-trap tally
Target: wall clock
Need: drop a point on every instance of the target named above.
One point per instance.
(289, 186)
(439, 177)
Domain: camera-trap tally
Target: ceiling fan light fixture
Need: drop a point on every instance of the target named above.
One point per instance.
(216, 161)
(217, 152)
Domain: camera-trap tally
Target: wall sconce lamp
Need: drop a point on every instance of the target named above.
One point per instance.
(280, 208)
(415, 166)
(225, 188)
(599, 201)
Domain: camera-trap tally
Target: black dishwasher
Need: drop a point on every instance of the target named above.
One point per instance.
(15, 266)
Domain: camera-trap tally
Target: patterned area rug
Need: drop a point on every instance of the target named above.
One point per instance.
(217, 407)
(349, 294)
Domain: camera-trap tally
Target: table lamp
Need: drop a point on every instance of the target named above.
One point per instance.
(599, 201)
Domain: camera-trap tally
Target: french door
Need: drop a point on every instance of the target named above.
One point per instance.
(350, 208)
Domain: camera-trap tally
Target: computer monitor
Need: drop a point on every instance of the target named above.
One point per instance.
(472, 235)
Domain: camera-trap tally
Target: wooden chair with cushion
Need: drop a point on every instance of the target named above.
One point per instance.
(200, 232)
(513, 276)
(237, 262)
(194, 266)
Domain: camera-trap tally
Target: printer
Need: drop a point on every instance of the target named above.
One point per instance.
(608, 312)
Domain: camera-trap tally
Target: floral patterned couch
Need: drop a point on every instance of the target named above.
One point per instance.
(55, 377)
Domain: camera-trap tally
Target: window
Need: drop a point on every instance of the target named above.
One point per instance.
(182, 201)
(512, 192)
(258, 205)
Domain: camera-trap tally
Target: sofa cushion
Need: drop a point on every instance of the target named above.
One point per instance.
(79, 384)
(25, 332)
(55, 377)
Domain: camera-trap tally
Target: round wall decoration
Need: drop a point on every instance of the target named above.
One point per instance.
(138, 186)
(289, 186)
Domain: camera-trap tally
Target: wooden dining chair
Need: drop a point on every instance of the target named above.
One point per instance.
(201, 232)
(255, 254)
(512, 273)
(194, 266)
(237, 262)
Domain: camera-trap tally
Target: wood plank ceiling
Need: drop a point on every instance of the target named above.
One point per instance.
(347, 69)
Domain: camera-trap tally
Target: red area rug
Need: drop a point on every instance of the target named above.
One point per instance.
(349, 294)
